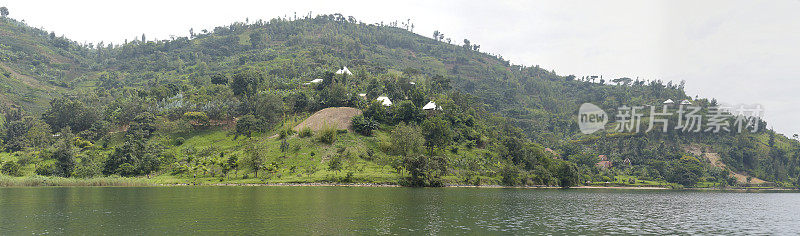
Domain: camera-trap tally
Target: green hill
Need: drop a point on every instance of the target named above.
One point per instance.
(219, 106)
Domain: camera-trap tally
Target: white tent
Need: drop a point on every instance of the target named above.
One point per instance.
(316, 81)
(344, 71)
(669, 102)
(431, 106)
(384, 100)
(686, 102)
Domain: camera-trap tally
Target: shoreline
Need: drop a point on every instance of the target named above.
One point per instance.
(11, 182)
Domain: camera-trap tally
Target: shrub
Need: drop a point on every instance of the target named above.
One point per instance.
(10, 168)
(44, 169)
(364, 125)
(285, 133)
(179, 141)
(335, 164)
(327, 135)
(306, 132)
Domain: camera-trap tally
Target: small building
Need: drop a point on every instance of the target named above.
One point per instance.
(316, 81)
(431, 106)
(344, 71)
(669, 102)
(362, 95)
(627, 162)
(686, 102)
(602, 157)
(604, 165)
(384, 100)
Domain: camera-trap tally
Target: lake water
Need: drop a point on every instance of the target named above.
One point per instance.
(368, 210)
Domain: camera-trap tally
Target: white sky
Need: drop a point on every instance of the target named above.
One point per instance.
(735, 51)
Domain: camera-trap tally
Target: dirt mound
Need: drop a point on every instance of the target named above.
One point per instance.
(338, 117)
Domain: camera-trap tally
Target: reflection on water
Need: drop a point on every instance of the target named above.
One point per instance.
(365, 210)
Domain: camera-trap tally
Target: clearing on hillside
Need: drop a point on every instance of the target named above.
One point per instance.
(716, 161)
(338, 117)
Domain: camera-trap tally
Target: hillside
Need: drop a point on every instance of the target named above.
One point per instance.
(202, 107)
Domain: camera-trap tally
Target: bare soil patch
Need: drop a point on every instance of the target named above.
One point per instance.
(338, 117)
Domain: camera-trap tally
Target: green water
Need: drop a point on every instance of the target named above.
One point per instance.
(366, 210)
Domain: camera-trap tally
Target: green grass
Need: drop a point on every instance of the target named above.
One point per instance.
(631, 181)
(33, 181)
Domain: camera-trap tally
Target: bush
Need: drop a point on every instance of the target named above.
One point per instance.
(10, 168)
(44, 169)
(179, 141)
(327, 135)
(285, 133)
(335, 164)
(306, 132)
(363, 125)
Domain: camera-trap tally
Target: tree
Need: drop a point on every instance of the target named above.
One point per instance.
(406, 140)
(109, 80)
(406, 111)
(266, 107)
(437, 132)
(440, 83)
(136, 156)
(232, 163)
(143, 124)
(257, 39)
(252, 159)
(375, 111)
(568, 175)
(623, 81)
(65, 157)
(425, 170)
(66, 112)
(467, 45)
(685, 171)
(10, 168)
(335, 95)
(246, 125)
(363, 125)
(797, 182)
(3, 12)
(219, 78)
(246, 82)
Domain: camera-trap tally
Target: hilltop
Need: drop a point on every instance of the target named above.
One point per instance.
(203, 108)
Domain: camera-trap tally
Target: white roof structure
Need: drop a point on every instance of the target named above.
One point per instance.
(384, 100)
(669, 101)
(344, 71)
(431, 106)
(686, 102)
(362, 95)
(412, 83)
(316, 81)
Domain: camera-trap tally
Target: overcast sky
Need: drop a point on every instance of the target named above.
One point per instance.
(735, 51)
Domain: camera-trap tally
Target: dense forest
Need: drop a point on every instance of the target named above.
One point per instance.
(221, 106)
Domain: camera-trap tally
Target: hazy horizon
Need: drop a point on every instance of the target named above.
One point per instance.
(735, 51)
